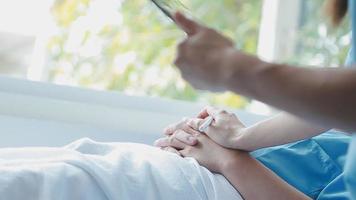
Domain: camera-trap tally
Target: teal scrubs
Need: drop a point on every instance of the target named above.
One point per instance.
(323, 167)
(314, 166)
(350, 167)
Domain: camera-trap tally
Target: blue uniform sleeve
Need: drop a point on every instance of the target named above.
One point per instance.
(350, 166)
(350, 169)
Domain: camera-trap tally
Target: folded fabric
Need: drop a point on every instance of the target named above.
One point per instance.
(89, 170)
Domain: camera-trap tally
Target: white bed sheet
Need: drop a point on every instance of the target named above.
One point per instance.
(90, 170)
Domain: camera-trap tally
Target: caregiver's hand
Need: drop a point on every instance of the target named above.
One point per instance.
(226, 129)
(207, 59)
(178, 135)
(211, 155)
(208, 153)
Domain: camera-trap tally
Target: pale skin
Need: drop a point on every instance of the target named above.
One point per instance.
(323, 96)
(318, 99)
(244, 172)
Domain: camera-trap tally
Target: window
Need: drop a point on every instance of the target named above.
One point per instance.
(318, 43)
(129, 45)
(302, 35)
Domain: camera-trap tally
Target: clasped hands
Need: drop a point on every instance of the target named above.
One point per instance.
(213, 148)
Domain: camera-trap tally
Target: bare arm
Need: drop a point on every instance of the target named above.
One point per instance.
(281, 129)
(323, 96)
(208, 60)
(252, 179)
(255, 181)
(228, 131)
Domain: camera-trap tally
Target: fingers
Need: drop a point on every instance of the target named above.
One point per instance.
(185, 137)
(211, 131)
(182, 125)
(184, 153)
(187, 25)
(183, 53)
(203, 114)
(214, 112)
(195, 123)
(170, 129)
(179, 140)
(161, 142)
(169, 142)
(210, 111)
(221, 117)
(172, 150)
(189, 151)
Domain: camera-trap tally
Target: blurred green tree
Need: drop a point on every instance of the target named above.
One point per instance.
(133, 53)
(129, 45)
(319, 43)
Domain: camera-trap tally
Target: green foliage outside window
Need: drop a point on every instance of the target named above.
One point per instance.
(134, 55)
(319, 43)
(129, 45)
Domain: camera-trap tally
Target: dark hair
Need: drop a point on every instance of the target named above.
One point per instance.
(337, 10)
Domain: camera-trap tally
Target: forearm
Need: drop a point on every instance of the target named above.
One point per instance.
(323, 96)
(281, 129)
(254, 181)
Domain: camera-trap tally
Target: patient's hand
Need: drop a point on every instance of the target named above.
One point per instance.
(207, 152)
(178, 135)
(210, 154)
(226, 129)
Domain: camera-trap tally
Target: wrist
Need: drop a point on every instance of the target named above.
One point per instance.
(243, 71)
(232, 162)
(239, 141)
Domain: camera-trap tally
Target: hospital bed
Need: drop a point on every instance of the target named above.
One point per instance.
(46, 115)
(43, 114)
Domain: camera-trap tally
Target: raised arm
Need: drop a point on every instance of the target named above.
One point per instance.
(208, 60)
(323, 96)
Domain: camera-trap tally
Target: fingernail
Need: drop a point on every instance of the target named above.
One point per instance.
(192, 139)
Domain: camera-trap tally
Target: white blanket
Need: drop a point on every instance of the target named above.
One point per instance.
(88, 170)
